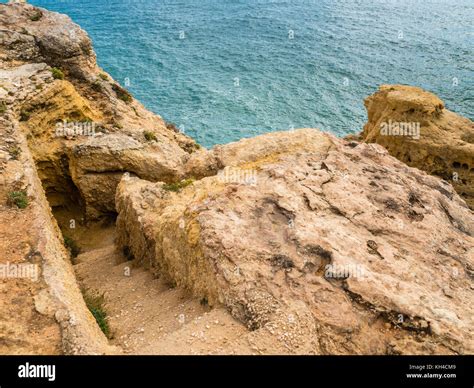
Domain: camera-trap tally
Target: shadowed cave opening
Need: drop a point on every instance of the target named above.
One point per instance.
(68, 207)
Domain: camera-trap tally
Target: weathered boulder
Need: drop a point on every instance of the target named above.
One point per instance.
(333, 247)
(97, 165)
(36, 35)
(416, 128)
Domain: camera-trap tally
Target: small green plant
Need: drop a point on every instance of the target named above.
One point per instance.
(95, 302)
(18, 199)
(57, 73)
(104, 76)
(149, 136)
(86, 49)
(121, 93)
(72, 246)
(178, 186)
(14, 151)
(97, 86)
(36, 16)
(3, 107)
(25, 115)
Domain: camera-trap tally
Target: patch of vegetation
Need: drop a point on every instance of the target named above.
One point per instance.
(37, 15)
(71, 246)
(95, 302)
(86, 49)
(282, 261)
(122, 94)
(57, 73)
(150, 136)
(96, 86)
(3, 107)
(14, 151)
(104, 76)
(178, 186)
(25, 115)
(18, 199)
(319, 251)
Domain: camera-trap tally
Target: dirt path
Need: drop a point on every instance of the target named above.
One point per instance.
(146, 315)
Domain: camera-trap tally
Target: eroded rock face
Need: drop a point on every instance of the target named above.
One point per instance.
(318, 245)
(35, 35)
(47, 315)
(444, 145)
(42, 309)
(126, 138)
(333, 247)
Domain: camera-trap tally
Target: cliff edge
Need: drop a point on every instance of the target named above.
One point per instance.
(292, 242)
(415, 127)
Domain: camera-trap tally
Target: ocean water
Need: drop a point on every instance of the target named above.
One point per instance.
(222, 70)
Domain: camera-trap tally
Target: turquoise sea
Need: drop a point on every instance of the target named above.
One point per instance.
(226, 69)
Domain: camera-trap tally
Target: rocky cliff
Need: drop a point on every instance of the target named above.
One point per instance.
(327, 247)
(297, 242)
(415, 127)
(51, 92)
(50, 79)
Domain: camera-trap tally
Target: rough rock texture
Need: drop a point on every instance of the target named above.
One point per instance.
(334, 248)
(79, 165)
(317, 245)
(49, 315)
(445, 146)
(45, 313)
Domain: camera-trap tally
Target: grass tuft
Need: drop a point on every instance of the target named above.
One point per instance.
(178, 186)
(36, 16)
(71, 246)
(95, 302)
(25, 115)
(57, 73)
(150, 136)
(96, 86)
(122, 94)
(18, 199)
(14, 151)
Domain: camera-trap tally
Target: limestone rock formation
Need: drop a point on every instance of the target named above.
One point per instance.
(333, 247)
(444, 145)
(49, 80)
(313, 244)
(42, 309)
